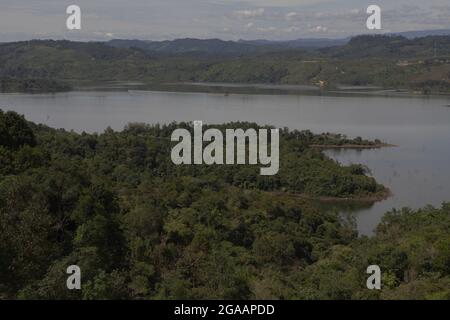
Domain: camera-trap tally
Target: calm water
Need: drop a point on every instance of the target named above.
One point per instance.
(417, 171)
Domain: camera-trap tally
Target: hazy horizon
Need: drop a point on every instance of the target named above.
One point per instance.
(237, 40)
(228, 20)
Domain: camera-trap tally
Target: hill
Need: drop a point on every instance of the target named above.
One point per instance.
(140, 227)
(189, 46)
(221, 47)
(391, 47)
(423, 33)
(394, 62)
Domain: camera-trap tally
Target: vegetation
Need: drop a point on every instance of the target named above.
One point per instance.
(141, 228)
(420, 65)
(32, 85)
(338, 140)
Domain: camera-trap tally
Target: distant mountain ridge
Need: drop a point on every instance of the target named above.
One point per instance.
(189, 45)
(423, 33)
(222, 47)
(308, 43)
(388, 61)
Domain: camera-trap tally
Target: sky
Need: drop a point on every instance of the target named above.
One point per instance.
(224, 19)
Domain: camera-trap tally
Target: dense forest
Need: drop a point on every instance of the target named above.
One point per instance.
(32, 85)
(142, 228)
(421, 65)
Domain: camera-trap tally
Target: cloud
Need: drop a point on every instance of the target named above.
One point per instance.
(291, 16)
(291, 29)
(281, 3)
(267, 29)
(248, 14)
(227, 19)
(319, 29)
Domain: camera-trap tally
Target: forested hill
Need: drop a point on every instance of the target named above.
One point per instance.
(391, 47)
(304, 169)
(141, 228)
(220, 47)
(199, 46)
(381, 46)
(421, 64)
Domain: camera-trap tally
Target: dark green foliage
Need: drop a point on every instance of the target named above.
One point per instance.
(141, 228)
(421, 64)
(15, 131)
(32, 85)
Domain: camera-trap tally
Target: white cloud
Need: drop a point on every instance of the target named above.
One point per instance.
(319, 29)
(248, 14)
(169, 19)
(267, 29)
(291, 29)
(281, 3)
(291, 16)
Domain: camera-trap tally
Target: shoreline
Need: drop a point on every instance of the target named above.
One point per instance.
(283, 88)
(231, 88)
(353, 146)
(369, 199)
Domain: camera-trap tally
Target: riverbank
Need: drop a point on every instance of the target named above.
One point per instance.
(368, 199)
(12, 85)
(353, 146)
(228, 89)
(285, 89)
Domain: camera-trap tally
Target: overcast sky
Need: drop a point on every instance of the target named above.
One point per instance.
(225, 19)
